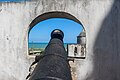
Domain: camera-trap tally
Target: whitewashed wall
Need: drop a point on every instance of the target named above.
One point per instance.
(100, 18)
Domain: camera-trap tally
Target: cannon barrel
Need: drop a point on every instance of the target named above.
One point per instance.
(53, 65)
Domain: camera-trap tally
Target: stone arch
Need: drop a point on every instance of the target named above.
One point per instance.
(56, 14)
(53, 14)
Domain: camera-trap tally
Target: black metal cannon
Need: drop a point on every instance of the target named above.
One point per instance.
(53, 65)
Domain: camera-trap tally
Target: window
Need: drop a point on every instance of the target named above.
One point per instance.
(39, 35)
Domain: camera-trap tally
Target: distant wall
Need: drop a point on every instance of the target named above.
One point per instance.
(100, 19)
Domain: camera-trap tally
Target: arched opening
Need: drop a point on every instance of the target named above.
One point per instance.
(52, 16)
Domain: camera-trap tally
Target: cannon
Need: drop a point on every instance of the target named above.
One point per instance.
(53, 65)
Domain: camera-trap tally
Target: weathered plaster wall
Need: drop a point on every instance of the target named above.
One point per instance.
(100, 18)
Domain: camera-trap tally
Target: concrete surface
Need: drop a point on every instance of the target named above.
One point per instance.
(100, 19)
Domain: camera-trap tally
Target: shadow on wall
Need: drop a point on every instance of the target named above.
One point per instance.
(107, 47)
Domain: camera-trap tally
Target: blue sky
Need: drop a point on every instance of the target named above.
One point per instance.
(41, 32)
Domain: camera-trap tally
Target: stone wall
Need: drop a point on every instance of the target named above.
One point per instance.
(100, 19)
